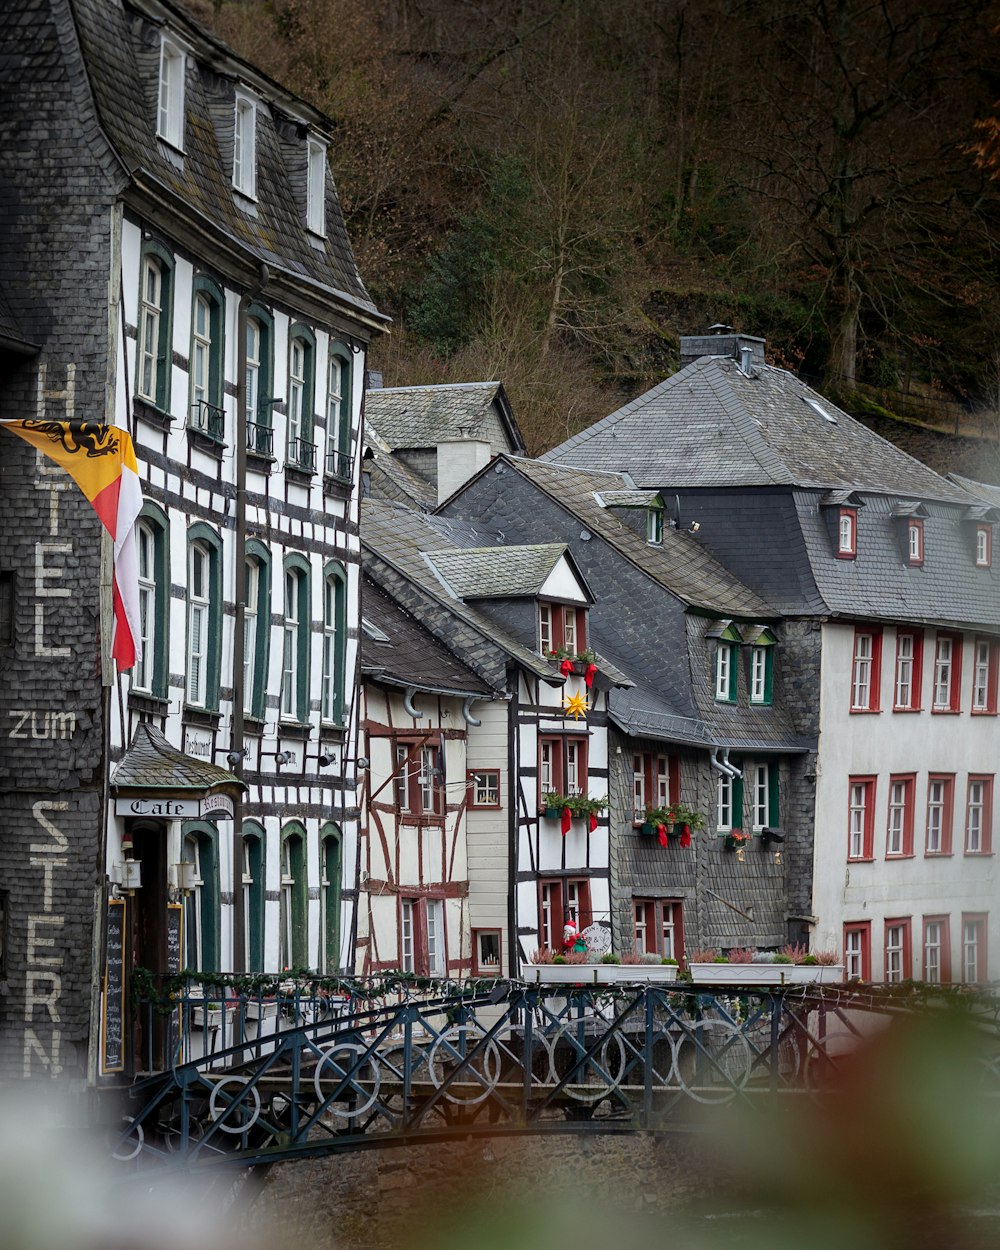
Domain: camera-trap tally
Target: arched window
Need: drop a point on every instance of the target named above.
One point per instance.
(204, 619)
(256, 632)
(259, 360)
(253, 895)
(330, 874)
(295, 641)
(153, 354)
(334, 644)
(201, 886)
(294, 948)
(338, 414)
(206, 364)
(150, 672)
(300, 450)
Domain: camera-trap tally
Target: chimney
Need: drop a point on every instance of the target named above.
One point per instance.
(459, 459)
(723, 341)
(373, 379)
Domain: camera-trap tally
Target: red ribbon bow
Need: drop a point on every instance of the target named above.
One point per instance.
(566, 667)
(593, 821)
(686, 836)
(567, 817)
(662, 831)
(590, 674)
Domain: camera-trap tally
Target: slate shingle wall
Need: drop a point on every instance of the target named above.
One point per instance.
(56, 193)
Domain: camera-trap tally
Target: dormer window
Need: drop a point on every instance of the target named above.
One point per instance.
(762, 667)
(245, 146)
(562, 627)
(170, 112)
(847, 534)
(654, 526)
(984, 546)
(915, 540)
(316, 187)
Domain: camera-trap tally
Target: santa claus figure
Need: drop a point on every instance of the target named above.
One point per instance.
(573, 939)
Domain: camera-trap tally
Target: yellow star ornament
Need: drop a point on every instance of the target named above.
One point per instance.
(576, 706)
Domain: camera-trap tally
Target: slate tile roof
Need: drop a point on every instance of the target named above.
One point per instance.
(409, 655)
(121, 51)
(711, 425)
(392, 479)
(985, 491)
(423, 416)
(400, 537)
(643, 713)
(680, 562)
(496, 572)
(152, 764)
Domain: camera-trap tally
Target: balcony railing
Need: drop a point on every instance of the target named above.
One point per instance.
(301, 454)
(260, 439)
(209, 420)
(338, 465)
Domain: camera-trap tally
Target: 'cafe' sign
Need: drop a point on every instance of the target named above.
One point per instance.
(212, 806)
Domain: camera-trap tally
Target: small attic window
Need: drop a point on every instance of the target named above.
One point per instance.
(373, 631)
(170, 108)
(847, 534)
(316, 189)
(984, 546)
(245, 145)
(819, 409)
(915, 540)
(654, 526)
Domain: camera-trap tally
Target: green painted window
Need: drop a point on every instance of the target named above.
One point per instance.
(205, 365)
(334, 643)
(761, 680)
(300, 450)
(729, 803)
(295, 640)
(155, 324)
(294, 948)
(256, 627)
(153, 555)
(338, 413)
(330, 875)
(253, 895)
(199, 855)
(762, 779)
(259, 362)
(204, 616)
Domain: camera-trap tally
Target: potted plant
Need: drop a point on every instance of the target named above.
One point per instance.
(552, 805)
(735, 839)
(548, 968)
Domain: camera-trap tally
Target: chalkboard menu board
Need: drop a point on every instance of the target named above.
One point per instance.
(175, 912)
(113, 1058)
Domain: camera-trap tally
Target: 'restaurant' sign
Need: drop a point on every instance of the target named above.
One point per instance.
(211, 807)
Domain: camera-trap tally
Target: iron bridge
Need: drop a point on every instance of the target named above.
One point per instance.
(314, 1076)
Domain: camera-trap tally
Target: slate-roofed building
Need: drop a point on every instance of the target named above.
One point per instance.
(441, 434)
(516, 615)
(662, 606)
(176, 253)
(883, 572)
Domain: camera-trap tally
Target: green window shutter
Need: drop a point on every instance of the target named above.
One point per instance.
(331, 898)
(255, 908)
(768, 674)
(733, 673)
(774, 814)
(738, 801)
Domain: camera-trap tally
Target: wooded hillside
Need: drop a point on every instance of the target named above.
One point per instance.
(551, 191)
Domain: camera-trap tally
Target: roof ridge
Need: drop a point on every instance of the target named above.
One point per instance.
(613, 418)
(429, 386)
(743, 422)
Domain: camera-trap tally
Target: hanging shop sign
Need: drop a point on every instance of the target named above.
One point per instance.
(210, 807)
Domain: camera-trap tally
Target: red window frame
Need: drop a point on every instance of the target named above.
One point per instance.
(559, 744)
(992, 672)
(654, 767)
(868, 826)
(909, 781)
(408, 772)
(986, 827)
(916, 674)
(979, 920)
(945, 949)
(849, 551)
(864, 928)
(947, 813)
(651, 932)
(915, 541)
(421, 943)
(904, 923)
(954, 703)
(558, 890)
(874, 703)
(471, 775)
(987, 531)
(554, 616)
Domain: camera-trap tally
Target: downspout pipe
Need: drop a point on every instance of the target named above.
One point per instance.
(408, 704)
(467, 712)
(723, 766)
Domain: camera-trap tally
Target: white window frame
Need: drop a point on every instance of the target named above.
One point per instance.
(329, 692)
(574, 770)
(758, 674)
(724, 803)
(975, 812)
(981, 676)
(972, 931)
(895, 951)
(937, 798)
(335, 414)
(944, 655)
(569, 630)
(847, 534)
(895, 834)
(854, 954)
(250, 631)
(486, 787)
(654, 526)
(638, 786)
(915, 542)
(858, 819)
(861, 676)
(142, 673)
(170, 101)
(982, 547)
(547, 761)
(723, 671)
(760, 795)
(905, 659)
(150, 312)
(407, 935)
(316, 186)
(245, 145)
(401, 776)
(253, 345)
(199, 623)
(437, 956)
(290, 646)
(297, 369)
(933, 938)
(201, 360)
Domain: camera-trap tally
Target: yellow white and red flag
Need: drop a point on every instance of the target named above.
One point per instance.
(101, 460)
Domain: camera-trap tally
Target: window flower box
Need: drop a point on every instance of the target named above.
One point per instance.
(773, 974)
(635, 974)
(560, 974)
(735, 840)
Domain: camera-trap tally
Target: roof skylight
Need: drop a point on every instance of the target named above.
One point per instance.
(818, 408)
